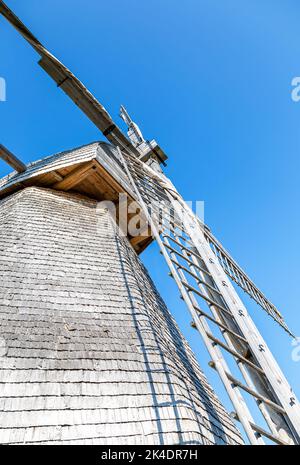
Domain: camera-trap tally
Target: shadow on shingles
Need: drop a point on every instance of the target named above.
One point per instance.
(143, 282)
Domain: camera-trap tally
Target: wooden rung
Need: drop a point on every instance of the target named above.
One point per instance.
(219, 323)
(235, 354)
(188, 250)
(185, 258)
(199, 280)
(250, 391)
(262, 431)
(196, 277)
(255, 394)
(210, 301)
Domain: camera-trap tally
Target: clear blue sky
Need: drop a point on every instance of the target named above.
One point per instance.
(211, 81)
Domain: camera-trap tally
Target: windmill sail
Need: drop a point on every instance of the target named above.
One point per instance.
(72, 86)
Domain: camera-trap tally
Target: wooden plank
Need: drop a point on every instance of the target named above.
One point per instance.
(12, 160)
(47, 179)
(138, 239)
(113, 183)
(108, 191)
(75, 177)
(236, 354)
(141, 246)
(263, 432)
(255, 394)
(57, 176)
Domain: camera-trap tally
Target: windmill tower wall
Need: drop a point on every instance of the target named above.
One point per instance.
(41, 290)
(89, 351)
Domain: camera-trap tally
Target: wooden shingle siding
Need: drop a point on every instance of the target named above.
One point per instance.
(94, 171)
(89, 353)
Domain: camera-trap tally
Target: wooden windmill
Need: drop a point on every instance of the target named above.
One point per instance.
(106, 361)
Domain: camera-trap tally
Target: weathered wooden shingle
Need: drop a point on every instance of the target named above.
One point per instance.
(89, 352)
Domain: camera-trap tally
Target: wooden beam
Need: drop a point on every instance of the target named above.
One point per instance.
(75, 177)
(56, 176)
(144, 234)
(113, 183)
(12, 160)
(141, 246)
(136, 240)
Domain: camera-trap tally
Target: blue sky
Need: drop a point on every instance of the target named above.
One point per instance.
(211, 81)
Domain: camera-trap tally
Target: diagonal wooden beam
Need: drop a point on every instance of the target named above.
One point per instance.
(12, 160)
(71, 85)
(75, 177)
(144, 234)
(137, 240)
